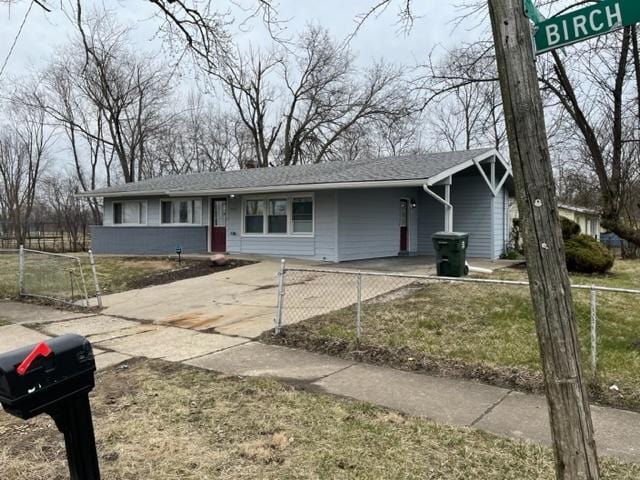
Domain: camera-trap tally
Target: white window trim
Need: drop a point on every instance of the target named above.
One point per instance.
(113, 213)
(265, 221)
(188, 199)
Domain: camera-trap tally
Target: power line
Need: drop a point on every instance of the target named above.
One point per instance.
(15, 40)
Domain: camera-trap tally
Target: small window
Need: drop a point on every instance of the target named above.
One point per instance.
(166, 212)
(302, 214)
(117, 213)
(181, 212)
(254, 216)
(129, 213)
(277, 221)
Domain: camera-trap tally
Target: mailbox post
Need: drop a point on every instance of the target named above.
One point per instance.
(55, 378)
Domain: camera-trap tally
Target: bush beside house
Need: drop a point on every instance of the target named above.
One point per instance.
(586, 255)
(569, 228)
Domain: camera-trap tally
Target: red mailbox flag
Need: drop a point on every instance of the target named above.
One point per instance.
(41, 350)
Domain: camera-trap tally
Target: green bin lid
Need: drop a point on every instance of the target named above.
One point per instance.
(450, 235)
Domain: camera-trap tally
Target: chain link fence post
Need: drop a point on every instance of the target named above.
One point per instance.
(85, 300)
(21, 271)
(280, 299)
(358, 305)
(92, 261)
(593, 306)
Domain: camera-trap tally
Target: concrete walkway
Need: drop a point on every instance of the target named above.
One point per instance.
(452, 401)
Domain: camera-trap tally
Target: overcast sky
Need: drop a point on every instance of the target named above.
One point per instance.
(379, 38)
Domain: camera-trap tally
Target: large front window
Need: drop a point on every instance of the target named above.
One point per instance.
(254, 216)
(281, 215)
(277, 221)
(302, 214)
(130, 213)
(181, 212)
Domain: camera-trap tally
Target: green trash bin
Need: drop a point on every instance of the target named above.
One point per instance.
(451, 253)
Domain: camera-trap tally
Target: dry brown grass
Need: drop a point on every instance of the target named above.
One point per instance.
(157, 420)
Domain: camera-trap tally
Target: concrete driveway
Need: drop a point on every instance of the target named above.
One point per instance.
(241, 301)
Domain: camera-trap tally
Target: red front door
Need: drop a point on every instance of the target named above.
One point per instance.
(219, 225)
(404, 222)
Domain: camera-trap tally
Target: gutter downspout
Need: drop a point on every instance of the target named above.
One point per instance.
(448, 208)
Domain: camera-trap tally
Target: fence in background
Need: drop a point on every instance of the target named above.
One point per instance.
(305, 293)
(51, 276)
(48, 237)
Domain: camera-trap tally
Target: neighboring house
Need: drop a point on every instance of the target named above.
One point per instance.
(588, 219)
(333, 211)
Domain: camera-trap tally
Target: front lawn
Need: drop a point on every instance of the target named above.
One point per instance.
(485, 332)
(156, 420)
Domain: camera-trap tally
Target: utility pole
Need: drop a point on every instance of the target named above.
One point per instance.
(567, 398)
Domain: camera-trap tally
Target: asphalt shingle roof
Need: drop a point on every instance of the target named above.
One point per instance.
(408, 167)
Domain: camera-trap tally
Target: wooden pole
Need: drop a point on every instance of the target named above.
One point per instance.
(567, 398)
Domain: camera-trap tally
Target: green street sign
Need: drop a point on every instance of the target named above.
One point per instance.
(605, 16)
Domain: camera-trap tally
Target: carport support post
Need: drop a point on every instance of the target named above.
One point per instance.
(280, 299)
(21, 271)
(567, 399)
(92, 261)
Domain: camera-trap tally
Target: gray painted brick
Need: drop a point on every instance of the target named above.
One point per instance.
(148, 240)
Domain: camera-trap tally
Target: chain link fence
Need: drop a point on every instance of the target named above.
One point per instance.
(9, 272)
(50, 276)
(358, 298)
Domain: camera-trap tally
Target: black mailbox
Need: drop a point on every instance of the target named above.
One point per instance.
(55, 377)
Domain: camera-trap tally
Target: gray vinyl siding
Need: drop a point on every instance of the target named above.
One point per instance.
(148, 240)
(472, 213)
(326, 225)
(321, 246)
(431, 220)
(369, 223)
(500, 237)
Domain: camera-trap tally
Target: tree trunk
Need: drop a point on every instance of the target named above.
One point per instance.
(569, 411)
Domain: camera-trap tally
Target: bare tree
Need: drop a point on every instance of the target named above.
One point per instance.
(129, 92)
(462, 114)
(23, 151)
(67, 211)
(201, 139)
(325, 96)
(110, 102)
(246, 81)
(604, 107)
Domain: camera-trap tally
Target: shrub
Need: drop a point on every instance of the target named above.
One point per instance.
(569, 228)
(586, 255)
(511, 254)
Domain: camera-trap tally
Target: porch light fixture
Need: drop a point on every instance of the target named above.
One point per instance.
(232, 196)
(413, 203)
